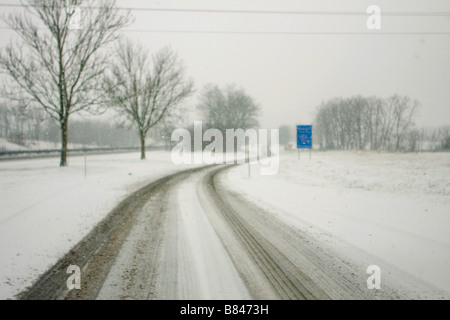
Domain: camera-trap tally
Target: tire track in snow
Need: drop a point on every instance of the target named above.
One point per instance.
(163, 242)
(287, 279)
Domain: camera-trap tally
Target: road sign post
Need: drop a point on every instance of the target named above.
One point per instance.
(304, 138)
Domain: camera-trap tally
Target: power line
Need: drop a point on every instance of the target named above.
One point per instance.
(354, 13)
(226, 32)
(282, 32)
(266, 12)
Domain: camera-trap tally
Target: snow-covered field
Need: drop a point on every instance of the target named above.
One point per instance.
(45, 209)
(394, 207)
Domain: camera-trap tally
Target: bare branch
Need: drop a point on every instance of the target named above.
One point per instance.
(58, 67)
(146, 93)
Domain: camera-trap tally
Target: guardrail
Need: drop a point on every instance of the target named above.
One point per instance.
(7, 154)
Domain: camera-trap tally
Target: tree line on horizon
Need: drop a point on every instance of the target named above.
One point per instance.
(373, 123)
(370, 123)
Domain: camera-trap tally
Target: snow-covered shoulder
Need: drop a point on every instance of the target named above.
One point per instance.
(392, 206)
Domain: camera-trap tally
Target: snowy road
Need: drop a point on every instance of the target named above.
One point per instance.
(179, 257)
(189, 236)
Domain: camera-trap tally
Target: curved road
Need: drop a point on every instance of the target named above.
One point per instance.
(187, 237)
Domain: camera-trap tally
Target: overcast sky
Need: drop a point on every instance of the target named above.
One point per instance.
(289, 75)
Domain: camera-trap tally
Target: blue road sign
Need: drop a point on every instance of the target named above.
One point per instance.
(304, 137)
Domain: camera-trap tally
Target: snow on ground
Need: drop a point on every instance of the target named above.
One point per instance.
(49, 145)
(5, 145)
(45, 209)
(203, 254)
(30, 145)
(394, 207)
(191, 262)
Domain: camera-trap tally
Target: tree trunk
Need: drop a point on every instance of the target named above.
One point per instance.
(142, 136)
(64, 129)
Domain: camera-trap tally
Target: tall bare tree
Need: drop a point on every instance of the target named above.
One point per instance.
(57, 63)
(145, 91)
(404, 111)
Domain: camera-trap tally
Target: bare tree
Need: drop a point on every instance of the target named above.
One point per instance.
(37, 117)
(358, 110)
(15, 120)
(146, 91)
(445, 143)
(4, 121)
(359, 122)
(404, 111)
(56, 65)
(373, 121)
(325, 129)
(229, 108)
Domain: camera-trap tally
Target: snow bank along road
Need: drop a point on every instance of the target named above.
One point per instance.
(188, 236)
